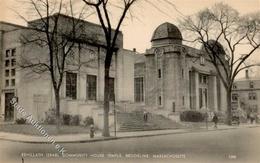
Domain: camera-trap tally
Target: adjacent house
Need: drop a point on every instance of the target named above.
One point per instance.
(247, 91)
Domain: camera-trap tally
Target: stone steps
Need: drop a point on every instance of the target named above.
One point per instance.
(134, 122)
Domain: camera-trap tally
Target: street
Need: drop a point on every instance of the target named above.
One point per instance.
(235, 145)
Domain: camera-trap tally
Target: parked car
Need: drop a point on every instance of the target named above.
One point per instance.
(235, 119)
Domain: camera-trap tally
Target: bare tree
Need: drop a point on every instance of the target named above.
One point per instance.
(102, 9)
(56, 32)
(223, 24)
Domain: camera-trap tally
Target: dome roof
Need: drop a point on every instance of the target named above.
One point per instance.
(166, 31)
(217, 47)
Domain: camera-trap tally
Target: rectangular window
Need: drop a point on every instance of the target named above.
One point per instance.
(7, 53)
(190, 88)
(92, 87)
(252, 96)
(159, 73)
(111, 89)
(7, 83)
(6, 73)
(13, 82)
(13, 62)
(13, 52)
(7, 63)
(160, 100)
(13, 72)
(71, 85)
(203, 79)
(139, 89)
(200, 97)
(206, 97)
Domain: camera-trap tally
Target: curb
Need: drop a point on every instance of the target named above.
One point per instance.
(127, 137)
(63, 142)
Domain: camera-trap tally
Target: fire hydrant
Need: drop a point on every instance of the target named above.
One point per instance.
(92, 131)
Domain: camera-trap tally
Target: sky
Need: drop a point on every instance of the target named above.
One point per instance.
(138, 31)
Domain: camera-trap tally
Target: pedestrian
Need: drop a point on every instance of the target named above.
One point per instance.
(92, 131)
(251, 117)
(215, 120)
(248, 117)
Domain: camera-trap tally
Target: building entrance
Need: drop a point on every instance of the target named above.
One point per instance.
(9, 109)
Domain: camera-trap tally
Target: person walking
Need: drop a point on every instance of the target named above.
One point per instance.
(215, 120)
(92, 131)
(251, 117)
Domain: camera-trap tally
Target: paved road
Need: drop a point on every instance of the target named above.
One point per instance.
(237, 145)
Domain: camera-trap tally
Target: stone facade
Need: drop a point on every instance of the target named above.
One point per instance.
(35, 92)
(178, 77)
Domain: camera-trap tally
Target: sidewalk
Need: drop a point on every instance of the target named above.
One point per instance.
(80, 138)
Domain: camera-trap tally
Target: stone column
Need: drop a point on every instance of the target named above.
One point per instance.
(215, 95)
(203, 98)
(1, 74)
(196, 89)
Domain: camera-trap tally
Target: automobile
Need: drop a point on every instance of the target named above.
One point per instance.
(235, 118)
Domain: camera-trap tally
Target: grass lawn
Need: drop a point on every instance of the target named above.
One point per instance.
(50, 129)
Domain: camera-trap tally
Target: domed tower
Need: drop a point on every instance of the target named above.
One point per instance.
(165, 34)
(216, 46)
(165, 68)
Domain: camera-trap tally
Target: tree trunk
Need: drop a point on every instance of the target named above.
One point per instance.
(106, 132)
(57, 100)
(229, 116)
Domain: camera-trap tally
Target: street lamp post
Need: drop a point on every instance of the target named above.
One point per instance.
(114, 100)
(207, 115)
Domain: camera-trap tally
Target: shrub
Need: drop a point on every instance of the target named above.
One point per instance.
(75, 120)
(50, 119)
(88, 121)
(192, 116)
(66, 119)
(20, 121)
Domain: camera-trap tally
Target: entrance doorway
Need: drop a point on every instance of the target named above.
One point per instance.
(9, 109)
